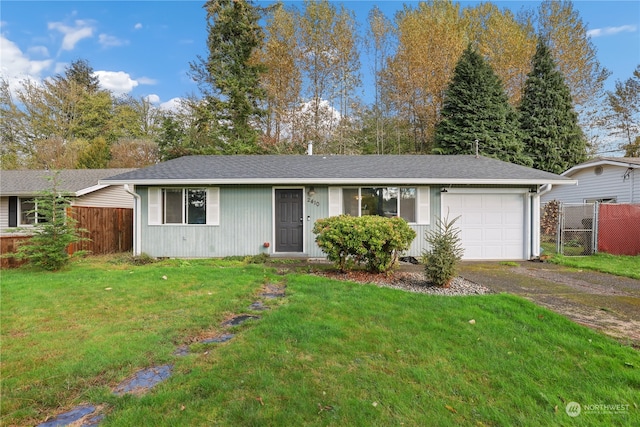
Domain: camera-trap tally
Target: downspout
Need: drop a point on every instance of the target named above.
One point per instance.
(137, 232)
(535, 216)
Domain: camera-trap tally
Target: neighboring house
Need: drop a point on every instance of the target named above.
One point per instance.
(216, 206)
(603, 179)
(19, 188)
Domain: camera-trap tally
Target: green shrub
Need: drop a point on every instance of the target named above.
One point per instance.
(373, 240)
(54, 232)
(444, 253)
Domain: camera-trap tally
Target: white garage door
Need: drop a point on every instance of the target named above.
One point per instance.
(491, 225)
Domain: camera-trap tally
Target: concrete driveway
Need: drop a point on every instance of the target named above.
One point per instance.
(608, 303)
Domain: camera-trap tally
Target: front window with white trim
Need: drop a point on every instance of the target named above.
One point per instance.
(184, 206)
(176, 206)
(409, 203)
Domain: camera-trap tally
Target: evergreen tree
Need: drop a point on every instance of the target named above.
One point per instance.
(552, 136)
(54, 231)
(81, 73)
(229, 77)
(476, 108)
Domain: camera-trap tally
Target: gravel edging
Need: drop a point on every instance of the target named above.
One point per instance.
(415, 282)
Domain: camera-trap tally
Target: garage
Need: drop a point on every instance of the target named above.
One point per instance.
(492, 225)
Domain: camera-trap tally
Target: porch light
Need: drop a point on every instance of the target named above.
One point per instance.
(311, 191)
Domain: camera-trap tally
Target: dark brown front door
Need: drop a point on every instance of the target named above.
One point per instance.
(289, 220)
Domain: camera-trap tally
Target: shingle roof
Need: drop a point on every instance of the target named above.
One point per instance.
(633, 162)
(318, 169)
(30, 182)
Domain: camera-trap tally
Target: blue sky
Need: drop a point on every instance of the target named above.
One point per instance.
(143, 48)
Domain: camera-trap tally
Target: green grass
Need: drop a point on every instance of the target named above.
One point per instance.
(620, 265)
(329, 354)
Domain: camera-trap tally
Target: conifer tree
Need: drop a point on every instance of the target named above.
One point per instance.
(548, 121)
(476, 108)
(229, 77)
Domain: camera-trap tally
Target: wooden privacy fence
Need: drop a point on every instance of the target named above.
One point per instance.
(110, 230)
(8, 245)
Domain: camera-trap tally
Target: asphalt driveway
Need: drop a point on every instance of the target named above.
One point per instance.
(604, 302)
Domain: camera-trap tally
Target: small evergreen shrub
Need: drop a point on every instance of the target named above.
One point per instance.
(54, 232)
(373, 240)
(445, 251)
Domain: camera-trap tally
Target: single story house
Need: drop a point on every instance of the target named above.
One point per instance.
(19, 188)
(216, 206)
(603, 180)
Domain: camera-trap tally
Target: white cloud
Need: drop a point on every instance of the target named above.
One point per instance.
(16, 65)
(106, 40)
(38, 51)
(72, 35)
(174, 104)
(147, 81)
(117, 82)
(138, 26)
(153, 98)
(610, 31)
(60, 67)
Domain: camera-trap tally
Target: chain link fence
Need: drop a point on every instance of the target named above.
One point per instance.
(578, 229)
(586, 228)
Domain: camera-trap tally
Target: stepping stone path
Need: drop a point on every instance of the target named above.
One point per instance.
(258, 306)
(221, 338)
(74, 415)
(145, 379)
(239, 320)
(273, 290)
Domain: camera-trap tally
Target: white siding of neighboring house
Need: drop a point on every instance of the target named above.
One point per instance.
(4, 212)
(110, 197)
(610, 184)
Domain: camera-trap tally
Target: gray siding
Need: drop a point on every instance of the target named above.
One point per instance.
(610, 183)
(245, 224)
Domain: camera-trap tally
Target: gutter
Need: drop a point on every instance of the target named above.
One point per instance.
(534, 231)
(345, 181)
(137, 220)
(547, 187)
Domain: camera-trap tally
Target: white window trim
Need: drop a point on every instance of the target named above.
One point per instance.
(155, 208)
(19, 213)
(423, 201)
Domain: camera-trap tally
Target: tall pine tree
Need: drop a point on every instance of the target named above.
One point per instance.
(549, 123)
(476, 108)
(229, 77)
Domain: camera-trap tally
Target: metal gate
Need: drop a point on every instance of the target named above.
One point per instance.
(577, 230)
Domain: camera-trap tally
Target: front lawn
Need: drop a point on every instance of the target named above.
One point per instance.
(619, 265)
(329, 353)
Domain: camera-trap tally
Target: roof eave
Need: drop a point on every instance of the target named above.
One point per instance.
(576, 168)
(91, 189)
(341, 181)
